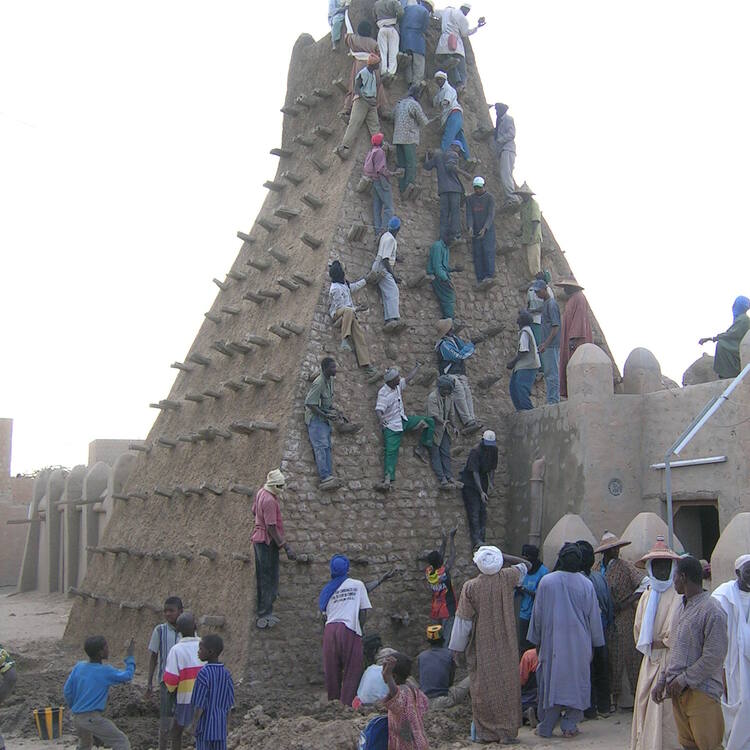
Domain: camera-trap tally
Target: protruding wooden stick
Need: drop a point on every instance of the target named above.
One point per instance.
(293, 327)
(311, 241)
(259, 263)
(186, 555)
(181, 366)
(272, 376)
(212, 488)
(141, 447)
(199, 359)
(257, 340)
(319, 164)
(245, 238)
(239, 347)
(286, 212)
(290, 285)
(276, 187)
(196, 397)
(237, 275)
(269, 293)
(267, 224)
(304, 140)
(199, 491)
(292, 177)
(313, 201)
(241, 489)
(279, 331)
(266, 426)
(253, 297)
(166, 405)
(211, 393)
(305, 101)
(162, 492)
(192, 438)
(167, 442)
(138, 496)
(278, 254)
(300, 279)
(222, 348)
(213, 317)
(257, 382)
(291, 110)
(223, 285)
(233, 385)
(282, 153)
(322, 132)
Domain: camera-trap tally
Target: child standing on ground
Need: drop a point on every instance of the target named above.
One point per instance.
(213, 697)
(163, 638)
(406, 706)
(86, 691)
(182, 667)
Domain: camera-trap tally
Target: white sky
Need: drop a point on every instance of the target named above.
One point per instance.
(134, 142)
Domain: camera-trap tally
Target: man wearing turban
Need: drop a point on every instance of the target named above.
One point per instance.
(727, 357)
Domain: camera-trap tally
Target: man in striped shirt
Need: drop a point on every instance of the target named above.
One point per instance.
(165, 636)
(213, 697)
(182, 667)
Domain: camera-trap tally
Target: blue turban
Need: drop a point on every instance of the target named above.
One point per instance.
(394, 223)
(339, 573)
(741, 305)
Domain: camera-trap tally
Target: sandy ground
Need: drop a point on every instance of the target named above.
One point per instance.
(31, 628)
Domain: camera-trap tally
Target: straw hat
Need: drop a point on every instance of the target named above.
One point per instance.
(524, 190)
(275, 478)
(568, 282)
(443, 326)
(659, 551)
(610, 541)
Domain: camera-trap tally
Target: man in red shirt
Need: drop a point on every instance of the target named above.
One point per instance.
(268, 539)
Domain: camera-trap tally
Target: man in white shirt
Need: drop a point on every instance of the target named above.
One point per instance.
(382, 267)
(734, 597)
(450, 49)
(394, 422)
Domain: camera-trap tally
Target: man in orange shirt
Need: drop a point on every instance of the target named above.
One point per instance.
(268, 539)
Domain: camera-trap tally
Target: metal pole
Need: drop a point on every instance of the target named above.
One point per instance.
(670, 514)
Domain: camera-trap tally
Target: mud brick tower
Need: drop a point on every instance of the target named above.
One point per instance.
(183, 523)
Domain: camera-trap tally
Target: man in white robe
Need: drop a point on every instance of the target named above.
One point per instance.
(653, 723)
(734, 597)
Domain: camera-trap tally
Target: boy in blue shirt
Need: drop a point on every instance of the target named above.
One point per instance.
(86, 691)
(213, 696)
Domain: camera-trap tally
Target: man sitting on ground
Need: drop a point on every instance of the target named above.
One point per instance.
(436, 666)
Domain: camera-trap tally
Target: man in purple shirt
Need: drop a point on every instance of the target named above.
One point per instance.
(376, 169)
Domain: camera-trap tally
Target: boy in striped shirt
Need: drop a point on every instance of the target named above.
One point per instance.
(183, 665)
(213, 697)
(165, 636)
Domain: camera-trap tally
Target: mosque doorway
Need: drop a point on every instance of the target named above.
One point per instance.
(696, 525)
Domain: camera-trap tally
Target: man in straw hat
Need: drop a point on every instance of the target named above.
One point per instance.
(268, 539)
(694, 677)
(391, 414)
(653, 723)
(485, 629)
(734, 597)
(624, 581)
(566, 626)
(452, 353)
(531, 229)
(576, 327)
(435, 665)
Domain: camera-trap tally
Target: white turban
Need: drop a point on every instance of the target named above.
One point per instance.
(740, 561)
(489, 560)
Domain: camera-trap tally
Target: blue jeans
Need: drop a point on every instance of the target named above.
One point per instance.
(484, 255)
(454, 131)
(382, 203)
(520, 389)
(551, 368)
(320, 438)
(550, 716)
(450, 216)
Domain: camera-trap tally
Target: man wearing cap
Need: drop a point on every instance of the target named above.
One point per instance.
(450, 48)
(566, 626)
(383, 268)
(414, 26)
(480, 224)
(376, 169)
(575, 329)
(391, 414)
(268, 539)
(478, 478)
(440, 408)
(408, 120)
(727, 356)
(435, 665)
(626, 584)
(364, 106)
(524, 365)
(531, 229)
(734, 598)
(388, 13)
(504, 144)
(694, 677)
(485, 629)
(452, 353)
(451, 114)
(549, 345)
(439, 269)
(653, 723)
(449, 188)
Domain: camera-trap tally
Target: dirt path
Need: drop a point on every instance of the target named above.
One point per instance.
(31, 628)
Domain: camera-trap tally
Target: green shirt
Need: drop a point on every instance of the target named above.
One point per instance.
(439, 262)
(531, 222)
(320, 395)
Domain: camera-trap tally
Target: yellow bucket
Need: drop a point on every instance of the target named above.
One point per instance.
(48, 722)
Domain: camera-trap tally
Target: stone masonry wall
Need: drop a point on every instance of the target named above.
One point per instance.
(173, 512)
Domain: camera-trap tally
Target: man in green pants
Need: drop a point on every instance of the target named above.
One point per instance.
(394, 422)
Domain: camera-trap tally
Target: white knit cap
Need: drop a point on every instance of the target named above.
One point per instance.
(489, 438)
(275, 478)
(740, 561)
(466, 5)
(441, 74)
(489, 560)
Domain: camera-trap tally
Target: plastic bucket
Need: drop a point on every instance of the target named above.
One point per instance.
(49, 722)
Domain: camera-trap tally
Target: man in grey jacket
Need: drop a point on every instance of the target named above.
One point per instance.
(449, 188)
(505, 150)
